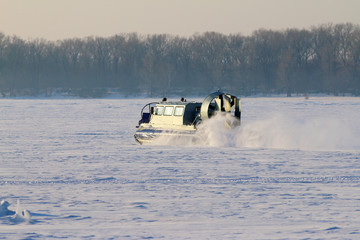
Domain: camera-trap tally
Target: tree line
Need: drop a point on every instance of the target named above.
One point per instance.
(322, 59)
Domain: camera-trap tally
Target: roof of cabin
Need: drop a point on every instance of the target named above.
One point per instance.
(176, 103)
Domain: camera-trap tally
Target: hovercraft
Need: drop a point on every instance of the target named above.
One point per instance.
(181, 118)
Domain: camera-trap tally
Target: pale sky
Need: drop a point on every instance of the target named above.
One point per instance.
(59, 19)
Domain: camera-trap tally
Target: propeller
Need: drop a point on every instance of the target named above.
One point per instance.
(220, 102)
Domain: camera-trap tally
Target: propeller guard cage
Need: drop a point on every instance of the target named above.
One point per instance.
(219, 101)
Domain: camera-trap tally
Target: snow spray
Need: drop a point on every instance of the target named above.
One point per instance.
(276, 131)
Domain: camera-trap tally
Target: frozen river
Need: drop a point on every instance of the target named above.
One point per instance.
(291, 171)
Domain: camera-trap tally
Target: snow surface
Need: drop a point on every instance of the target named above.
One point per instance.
(70, 168)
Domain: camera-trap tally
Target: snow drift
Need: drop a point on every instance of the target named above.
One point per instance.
(14, 217)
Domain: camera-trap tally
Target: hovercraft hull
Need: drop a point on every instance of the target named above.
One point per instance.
(148, 135)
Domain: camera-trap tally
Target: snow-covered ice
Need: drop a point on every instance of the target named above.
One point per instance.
(70, 168)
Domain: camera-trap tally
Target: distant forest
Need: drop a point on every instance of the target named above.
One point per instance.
(323, 59)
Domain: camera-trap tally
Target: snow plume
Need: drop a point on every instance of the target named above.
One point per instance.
(277, 131)
(217, 131)
(306, 134)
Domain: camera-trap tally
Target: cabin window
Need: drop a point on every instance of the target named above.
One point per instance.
(168, 111)
(179, 111)
(159, 110)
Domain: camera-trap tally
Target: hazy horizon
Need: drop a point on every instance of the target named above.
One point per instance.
(56, 20)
